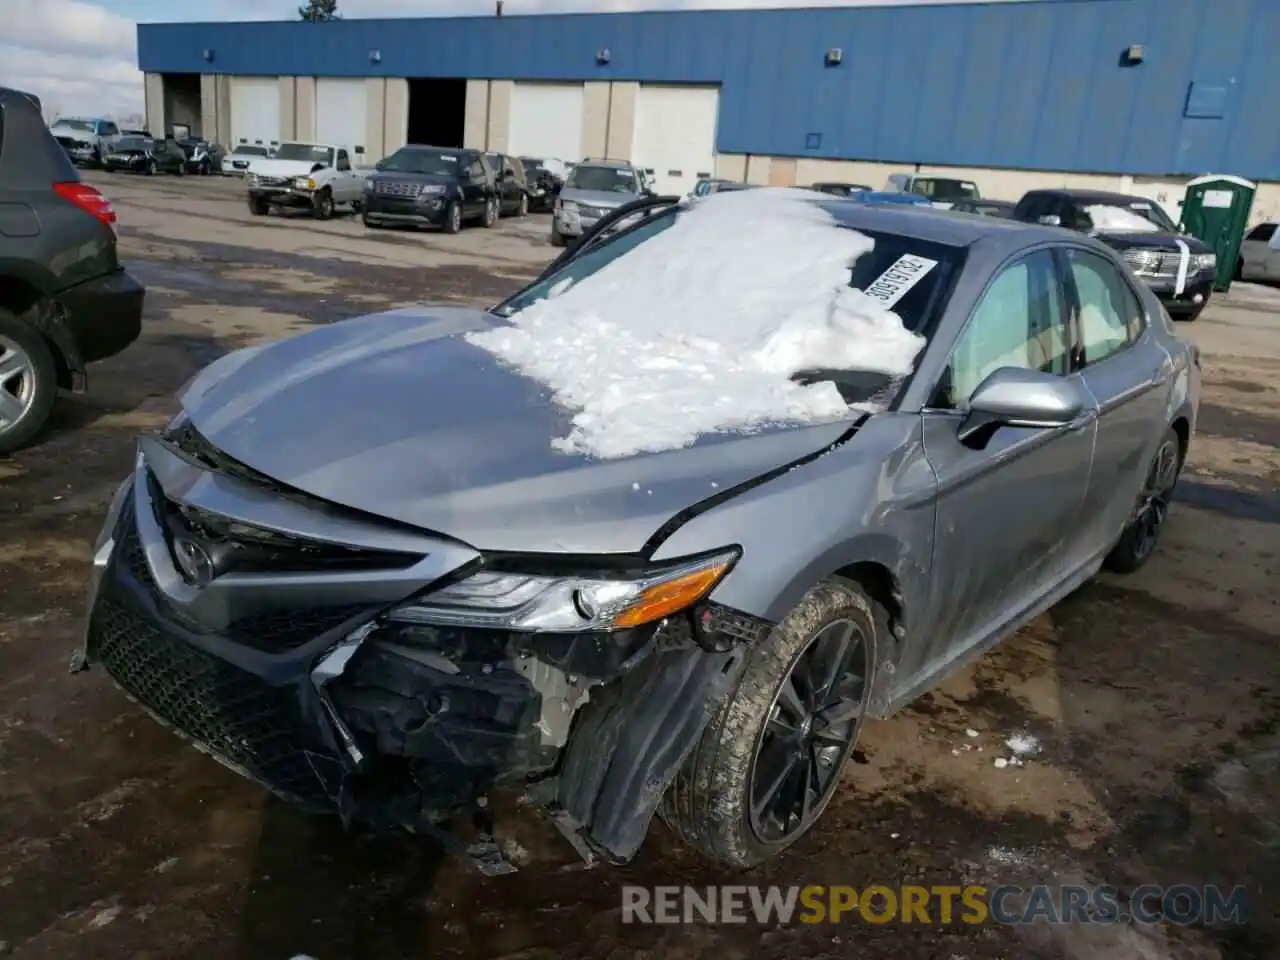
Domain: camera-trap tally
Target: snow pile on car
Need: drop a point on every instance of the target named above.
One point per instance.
(699, 329)
(1111, 219)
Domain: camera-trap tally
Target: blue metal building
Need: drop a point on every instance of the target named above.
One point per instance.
(1146, 87)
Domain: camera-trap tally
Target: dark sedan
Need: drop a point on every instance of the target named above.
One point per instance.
(140, 155)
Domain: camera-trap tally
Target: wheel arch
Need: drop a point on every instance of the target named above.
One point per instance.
(1182, 427)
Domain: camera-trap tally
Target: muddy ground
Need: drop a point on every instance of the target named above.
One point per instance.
(1155, 698)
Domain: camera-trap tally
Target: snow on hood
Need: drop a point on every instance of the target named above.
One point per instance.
(699, 329)
(1112, 219)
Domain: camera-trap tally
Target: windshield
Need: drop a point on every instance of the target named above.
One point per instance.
(531, 166)
(947, 191)
(602, 179)
(75, 124)
(1138, 216)
(916, 307)
(434, 162)
(308, 152)
(251, 151)
(132, 143)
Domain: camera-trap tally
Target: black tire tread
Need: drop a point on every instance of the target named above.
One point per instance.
(41, 354)
(1123, 557)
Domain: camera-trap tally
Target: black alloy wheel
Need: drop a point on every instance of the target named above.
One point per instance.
(1157, 494)
(812, 727)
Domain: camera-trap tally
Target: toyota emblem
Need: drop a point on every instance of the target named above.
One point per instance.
(194, 561)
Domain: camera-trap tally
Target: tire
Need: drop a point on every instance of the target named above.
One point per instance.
(322, 205)
(522, 209)
(205, 169)
(28, 396)
(356, 206)
(152, 168)
(259, 207)
(557, 238)
(180, 170)
(1141, 537)
(491, 212)
(708, 804)
(453, 218)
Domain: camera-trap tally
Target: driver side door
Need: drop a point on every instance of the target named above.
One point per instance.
(1007, 509)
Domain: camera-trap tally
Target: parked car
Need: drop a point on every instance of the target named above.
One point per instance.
(86, 140)
(940, 191)
(715, 185)
(839, 189)
(882, 197)
(1177, 266)
(203, 157)
(136, 133)
(237, 162)
(140, 155)
(987, 208)
(65, 300)
(512, 185)
(592, 189)
(422, 186)
(307, 176)
(1260, 253)
(374, 568)
(545, 176)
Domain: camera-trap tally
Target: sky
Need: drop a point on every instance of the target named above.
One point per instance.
(80, 56)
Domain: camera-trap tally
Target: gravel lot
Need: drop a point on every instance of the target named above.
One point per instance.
(1156, 698)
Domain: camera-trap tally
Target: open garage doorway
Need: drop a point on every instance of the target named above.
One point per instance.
(181, 104)
(437, 110)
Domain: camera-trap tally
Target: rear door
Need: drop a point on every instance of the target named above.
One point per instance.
(1130, 375)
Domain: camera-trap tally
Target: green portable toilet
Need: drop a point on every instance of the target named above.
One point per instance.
(1216, 209)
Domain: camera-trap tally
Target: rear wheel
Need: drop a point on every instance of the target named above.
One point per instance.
(1140, 537)
(770, 760)
(28, 382)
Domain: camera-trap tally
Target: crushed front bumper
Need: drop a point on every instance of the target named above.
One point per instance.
(336, 711)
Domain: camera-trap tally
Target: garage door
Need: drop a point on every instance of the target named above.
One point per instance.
(676, 135)
(546, 121)
(342, 108)
(255, 110)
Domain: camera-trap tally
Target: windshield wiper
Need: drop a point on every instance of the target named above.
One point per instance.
(855, 386)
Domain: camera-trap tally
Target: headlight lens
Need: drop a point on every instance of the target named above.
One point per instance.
(542, 604)
(1206, 261)
(302, 183)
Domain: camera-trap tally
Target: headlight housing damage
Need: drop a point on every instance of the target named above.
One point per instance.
(568, 604)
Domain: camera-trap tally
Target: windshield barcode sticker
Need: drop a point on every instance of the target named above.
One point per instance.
(893, 284)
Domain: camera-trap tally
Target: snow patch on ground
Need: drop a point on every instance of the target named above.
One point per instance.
(699, 329)
(1023, 744)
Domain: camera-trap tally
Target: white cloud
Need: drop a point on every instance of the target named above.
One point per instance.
(80, 56)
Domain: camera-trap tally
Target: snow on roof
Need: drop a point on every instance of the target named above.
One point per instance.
(699, 329)
(1108, 217)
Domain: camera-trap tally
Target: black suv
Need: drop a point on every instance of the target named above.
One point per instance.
(430, 186)
(65, 301)
(1177, 267)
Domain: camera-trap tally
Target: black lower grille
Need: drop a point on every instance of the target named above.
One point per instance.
(233, 713)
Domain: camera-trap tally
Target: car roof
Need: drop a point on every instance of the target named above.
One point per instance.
(1090, 196)
(931, 224)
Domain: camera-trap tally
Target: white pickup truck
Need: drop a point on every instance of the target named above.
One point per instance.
(314, 176)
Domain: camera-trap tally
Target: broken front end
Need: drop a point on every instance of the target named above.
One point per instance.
(395, 678)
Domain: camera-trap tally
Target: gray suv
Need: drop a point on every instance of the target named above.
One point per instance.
(593, 189)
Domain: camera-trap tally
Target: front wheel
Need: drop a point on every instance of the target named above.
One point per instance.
(152, 168)
(205, 169)
(522, 210)
(258, 206)
(453, 218)
(770, 760)
(181, 170)
(490, 212)
(322, 205)
(1138, 542)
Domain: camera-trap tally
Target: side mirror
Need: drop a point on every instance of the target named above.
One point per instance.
(1014, 397)
(1050, 220)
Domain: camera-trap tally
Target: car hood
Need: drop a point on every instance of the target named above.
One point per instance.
(597, 198)
(1162, 240)
(281, 168)
(397, 415)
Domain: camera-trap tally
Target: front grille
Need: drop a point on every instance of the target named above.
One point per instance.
(232, 713)
(398, 188)
(273, 181)
(1157, 263)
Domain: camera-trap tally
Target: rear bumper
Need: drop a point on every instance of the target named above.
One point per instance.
(104, 316)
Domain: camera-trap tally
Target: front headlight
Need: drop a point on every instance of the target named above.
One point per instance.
(546, 604)
(304, 183)
(1206, 261)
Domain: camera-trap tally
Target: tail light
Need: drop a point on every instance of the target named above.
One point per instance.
(89, 200)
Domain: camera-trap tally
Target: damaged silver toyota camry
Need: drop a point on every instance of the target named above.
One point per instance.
(654, 536)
